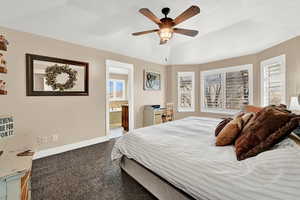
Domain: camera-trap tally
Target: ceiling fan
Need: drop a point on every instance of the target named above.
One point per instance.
(166, 24)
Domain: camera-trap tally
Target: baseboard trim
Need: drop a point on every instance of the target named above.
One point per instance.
(68, 147)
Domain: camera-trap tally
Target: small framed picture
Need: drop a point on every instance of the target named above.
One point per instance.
(152, 80)
(3, 87)
(6, 126)
(3, 43)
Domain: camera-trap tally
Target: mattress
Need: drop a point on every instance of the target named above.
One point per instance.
(183, 153)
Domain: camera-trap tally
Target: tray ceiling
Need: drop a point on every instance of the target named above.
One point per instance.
(227, 28)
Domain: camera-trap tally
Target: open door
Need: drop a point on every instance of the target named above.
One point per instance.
(119, 98)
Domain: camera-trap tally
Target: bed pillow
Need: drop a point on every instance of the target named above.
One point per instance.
(221, 125)
(267, 128)
(231, 131)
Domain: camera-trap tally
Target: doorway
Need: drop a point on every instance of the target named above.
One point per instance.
(119, 98)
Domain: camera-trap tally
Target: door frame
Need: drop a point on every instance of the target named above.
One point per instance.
(130, 96)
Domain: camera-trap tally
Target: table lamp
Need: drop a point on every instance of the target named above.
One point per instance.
(295, 108)
(294, 105)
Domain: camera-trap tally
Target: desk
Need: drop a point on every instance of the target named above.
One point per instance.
(153, 116)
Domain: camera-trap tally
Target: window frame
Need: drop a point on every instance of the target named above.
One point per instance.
(123, 98)
(192, 108)
(223, 70)
(269, 62)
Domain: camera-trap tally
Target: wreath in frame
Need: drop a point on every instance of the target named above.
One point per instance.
(53, 71)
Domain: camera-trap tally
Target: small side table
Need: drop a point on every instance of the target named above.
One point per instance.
(15, 172)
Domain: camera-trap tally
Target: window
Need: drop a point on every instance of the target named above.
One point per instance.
(186, 91)
(226, 90)
(116, 90)
(273, 81)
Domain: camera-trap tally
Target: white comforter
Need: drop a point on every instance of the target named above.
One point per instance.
(183, 153)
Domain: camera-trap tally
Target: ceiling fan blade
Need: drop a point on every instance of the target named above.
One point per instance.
(188, 32)
(145, 32)
(190, 12)
(163, 42)
(146, 12)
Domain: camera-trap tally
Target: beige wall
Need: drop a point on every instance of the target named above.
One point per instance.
(290, 48)
(74, 118)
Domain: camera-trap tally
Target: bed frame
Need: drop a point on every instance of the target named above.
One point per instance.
(156, 185)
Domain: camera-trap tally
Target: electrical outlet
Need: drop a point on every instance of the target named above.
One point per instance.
(55, 137)
(44, 139)
(39, 140)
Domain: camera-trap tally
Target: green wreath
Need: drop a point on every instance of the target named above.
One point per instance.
(53, 71)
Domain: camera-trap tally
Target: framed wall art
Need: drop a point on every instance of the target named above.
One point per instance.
(48, 76)
(152, 80)
(6, 126)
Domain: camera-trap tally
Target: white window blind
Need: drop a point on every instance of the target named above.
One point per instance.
(273, 81)
(226, 90)
(186, 91)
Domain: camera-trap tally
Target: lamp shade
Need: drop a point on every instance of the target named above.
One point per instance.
(294, 104)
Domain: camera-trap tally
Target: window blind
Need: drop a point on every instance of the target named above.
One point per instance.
(186, 91)
(226, 90)
(273, 80)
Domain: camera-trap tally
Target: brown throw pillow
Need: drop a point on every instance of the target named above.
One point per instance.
(230, 132)
(221, 125)
(264, 130)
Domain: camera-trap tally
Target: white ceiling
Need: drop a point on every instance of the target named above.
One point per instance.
(227, 28)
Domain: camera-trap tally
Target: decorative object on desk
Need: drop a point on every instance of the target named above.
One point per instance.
(3, 43)
(164, 118)
(3, 87)
(51, 77)
(294, 105)
(152, 80)
(169, 111)
(47, 76)
(6, 126)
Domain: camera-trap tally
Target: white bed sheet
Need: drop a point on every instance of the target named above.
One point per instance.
(183, 153)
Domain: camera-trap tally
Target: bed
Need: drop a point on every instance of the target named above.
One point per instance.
(178, 160)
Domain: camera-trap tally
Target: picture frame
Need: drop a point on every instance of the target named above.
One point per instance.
(39, 70)
(152, 80)
(6, 126)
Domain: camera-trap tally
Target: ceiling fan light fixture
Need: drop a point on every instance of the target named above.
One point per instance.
(166, 25)
(165, 34)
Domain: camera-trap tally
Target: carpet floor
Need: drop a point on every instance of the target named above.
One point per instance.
(84, 174)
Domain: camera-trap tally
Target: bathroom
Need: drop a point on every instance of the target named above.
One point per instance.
(118, 101)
